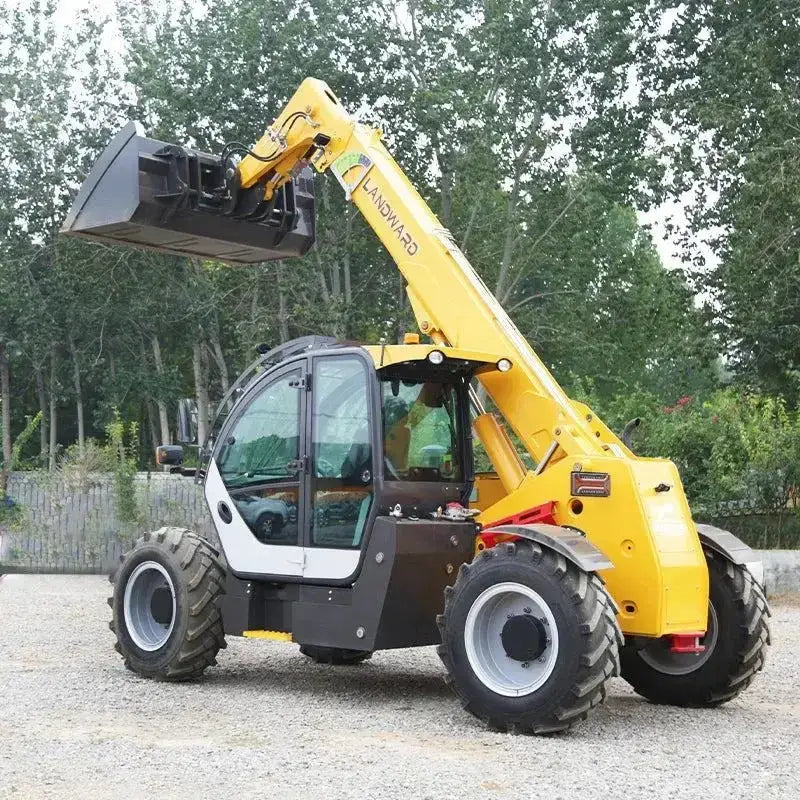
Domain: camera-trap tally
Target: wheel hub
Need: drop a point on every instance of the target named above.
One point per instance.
(511, 639)
(161, 605)
(524, 637)
(149, 606)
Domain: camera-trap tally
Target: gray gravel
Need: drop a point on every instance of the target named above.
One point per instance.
(268, 723)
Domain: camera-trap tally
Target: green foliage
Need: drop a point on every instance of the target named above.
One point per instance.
(79, 468)
(736, 452)
(22, 439)
(723, 82)
(12, 512)
(122, 448)
(475, 101)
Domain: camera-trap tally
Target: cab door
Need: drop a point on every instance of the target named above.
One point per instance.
(342, 433)
(256, 479)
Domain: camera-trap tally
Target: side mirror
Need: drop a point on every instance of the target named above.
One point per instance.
(187, 421)
(169, 455)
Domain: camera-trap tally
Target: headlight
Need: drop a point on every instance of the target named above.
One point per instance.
(504, 365)
(436, 356)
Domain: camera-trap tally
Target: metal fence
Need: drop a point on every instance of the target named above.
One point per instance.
(70, 524)
(771, 529)
(67, 525)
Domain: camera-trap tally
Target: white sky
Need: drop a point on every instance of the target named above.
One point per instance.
(657, 218)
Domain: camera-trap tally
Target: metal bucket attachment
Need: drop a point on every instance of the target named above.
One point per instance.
(151, 194)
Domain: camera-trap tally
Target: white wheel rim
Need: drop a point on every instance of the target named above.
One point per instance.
(148, 617)
(486, 653)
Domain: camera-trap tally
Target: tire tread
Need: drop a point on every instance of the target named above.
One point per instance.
(205, 584)
(600, 633)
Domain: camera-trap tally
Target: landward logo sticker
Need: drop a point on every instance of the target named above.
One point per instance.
(359, 163)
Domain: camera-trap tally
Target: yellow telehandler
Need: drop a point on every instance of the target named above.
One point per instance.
(340, 478)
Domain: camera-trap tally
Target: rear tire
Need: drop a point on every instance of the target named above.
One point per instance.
(738, 635)
(166, 605)
(528, 639)
(334, 655)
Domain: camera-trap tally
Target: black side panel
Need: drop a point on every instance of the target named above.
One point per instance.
(399, 592)
(253, 605)
(242, 606)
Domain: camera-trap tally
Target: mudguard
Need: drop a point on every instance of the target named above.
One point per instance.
(568, 542)
(734, 549)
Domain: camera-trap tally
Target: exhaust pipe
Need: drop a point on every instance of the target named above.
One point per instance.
(146, 193)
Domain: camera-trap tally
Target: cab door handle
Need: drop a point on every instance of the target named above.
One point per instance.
(297, 465)
(224, 511)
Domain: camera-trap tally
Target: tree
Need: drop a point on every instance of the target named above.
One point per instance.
(519, 122)
(57, 88)
(724, 83)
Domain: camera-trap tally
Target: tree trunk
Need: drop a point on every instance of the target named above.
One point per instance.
(283, 314)
(152, 423)
(51, 462)
(219, 360)
(44, 437)
(201, 390)
(112, 368)
(76, 385)
(255, 306)
(162, 406)
(402, 301)
(446, 188)
(344, 309)
(5, 399)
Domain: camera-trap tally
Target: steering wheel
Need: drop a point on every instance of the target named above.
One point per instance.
(325, 469)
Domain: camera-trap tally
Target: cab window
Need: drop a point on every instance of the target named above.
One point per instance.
(263, 444)
(342, 452)
(420, 431)
(258, 461)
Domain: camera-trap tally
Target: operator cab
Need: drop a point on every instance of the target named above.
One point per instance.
(327, 437)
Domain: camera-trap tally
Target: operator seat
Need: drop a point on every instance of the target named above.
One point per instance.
(396, 434)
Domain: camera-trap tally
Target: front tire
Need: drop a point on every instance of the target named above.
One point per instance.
(166, 606)
(528, 639)
(736, 642)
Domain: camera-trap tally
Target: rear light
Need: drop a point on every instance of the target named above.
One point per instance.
(590, 484)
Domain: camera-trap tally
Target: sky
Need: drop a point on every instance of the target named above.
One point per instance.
(656, 219)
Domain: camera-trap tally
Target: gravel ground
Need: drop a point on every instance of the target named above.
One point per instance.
(268, 723)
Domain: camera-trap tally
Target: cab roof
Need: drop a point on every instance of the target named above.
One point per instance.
(390, 355)
(385, 355)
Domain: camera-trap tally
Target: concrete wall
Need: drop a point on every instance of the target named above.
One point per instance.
(781, 571)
